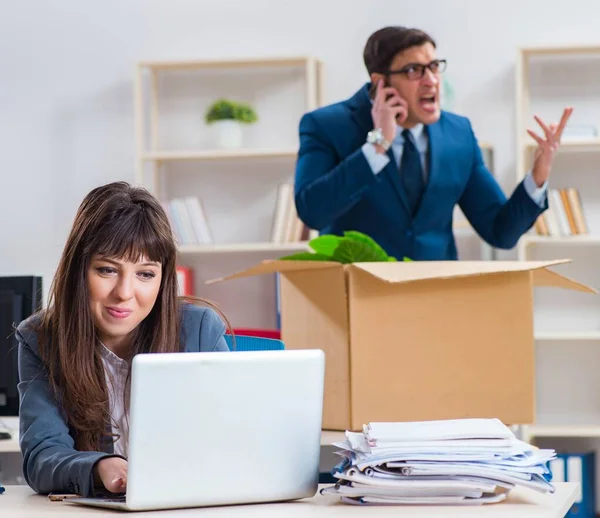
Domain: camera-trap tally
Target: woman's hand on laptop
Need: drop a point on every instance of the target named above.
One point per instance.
(112, 471)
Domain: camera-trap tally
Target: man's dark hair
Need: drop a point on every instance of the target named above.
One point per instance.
(383, 45)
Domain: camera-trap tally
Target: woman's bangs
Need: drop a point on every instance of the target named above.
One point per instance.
(133, 238)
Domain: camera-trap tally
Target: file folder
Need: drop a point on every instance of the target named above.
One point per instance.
(579, 468)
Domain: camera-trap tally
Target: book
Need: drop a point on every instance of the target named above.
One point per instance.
(188, 221)
(287, 226)
(564, 216)
(185, 281)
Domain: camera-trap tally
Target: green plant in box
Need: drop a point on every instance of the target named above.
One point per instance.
(352, 247)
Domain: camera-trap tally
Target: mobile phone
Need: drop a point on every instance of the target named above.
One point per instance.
(59, 497)
(373, 88)
(373, 92)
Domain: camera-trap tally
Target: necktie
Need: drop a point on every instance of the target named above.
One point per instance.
(411, 172)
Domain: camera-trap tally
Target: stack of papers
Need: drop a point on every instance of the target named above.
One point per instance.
(460, 461)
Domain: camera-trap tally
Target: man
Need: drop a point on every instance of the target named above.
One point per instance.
(388, 162)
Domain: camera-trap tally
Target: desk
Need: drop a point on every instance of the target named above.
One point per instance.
(21, 502)
(10, 445)
(330, 436)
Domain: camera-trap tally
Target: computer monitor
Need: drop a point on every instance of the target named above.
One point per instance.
(20, 297)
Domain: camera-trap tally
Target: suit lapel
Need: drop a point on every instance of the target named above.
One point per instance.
(360, 107)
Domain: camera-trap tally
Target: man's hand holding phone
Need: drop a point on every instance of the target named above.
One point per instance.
(388, 111)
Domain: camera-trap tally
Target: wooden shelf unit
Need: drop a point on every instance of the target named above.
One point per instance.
(551, 342)
(147, 120)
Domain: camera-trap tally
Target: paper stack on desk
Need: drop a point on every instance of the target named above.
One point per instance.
(461, 461)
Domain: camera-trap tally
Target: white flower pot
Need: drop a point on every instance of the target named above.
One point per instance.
(227, 134)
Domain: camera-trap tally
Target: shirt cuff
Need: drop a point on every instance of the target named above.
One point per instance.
(376, 160)
(537, 194)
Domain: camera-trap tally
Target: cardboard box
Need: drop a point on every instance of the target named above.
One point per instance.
(416, 340)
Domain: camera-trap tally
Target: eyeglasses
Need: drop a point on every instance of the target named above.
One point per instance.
(417, 70)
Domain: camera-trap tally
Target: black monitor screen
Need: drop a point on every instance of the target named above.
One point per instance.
(20, 297)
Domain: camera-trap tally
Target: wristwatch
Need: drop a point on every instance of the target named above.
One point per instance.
(375, 136)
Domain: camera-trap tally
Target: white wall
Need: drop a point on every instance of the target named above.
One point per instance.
(66, 122)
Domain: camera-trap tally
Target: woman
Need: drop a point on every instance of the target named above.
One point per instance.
(114, 296)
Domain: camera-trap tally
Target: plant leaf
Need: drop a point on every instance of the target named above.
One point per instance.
(406, 259)
(226, 109)
(306, 256)
(379, 254)
(350, 251)
(325, 244)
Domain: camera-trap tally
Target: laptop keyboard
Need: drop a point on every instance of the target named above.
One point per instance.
(116, 499)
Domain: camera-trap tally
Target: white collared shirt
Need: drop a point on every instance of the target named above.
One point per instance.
(379, 160)
(115, 370)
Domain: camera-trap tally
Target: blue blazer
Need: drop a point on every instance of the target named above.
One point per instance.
(50, 461)
(336, 190)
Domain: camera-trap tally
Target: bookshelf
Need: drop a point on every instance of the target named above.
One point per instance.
(161, 152)
(567, 325)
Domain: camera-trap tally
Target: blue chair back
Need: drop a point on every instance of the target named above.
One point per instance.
(253, 343)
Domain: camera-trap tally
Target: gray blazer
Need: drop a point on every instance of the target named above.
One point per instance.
(50, 461)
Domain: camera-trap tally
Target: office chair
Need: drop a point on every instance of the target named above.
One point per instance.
(254, 343)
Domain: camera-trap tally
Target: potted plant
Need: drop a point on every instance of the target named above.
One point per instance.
(352, 247)
(227, 117)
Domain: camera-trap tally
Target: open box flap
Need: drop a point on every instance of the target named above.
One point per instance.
(413, 271)
(545, 277)
(276, 265)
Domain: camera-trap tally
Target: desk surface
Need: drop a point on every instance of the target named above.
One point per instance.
(12, 445)
(330, 436)
(20, 501)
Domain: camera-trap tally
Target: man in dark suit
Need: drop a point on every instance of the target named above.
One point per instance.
(390, 163)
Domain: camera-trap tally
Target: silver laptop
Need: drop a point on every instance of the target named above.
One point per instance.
(222, 428)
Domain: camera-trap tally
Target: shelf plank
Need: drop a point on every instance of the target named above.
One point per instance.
(572, 144)
(267, 246)
(220, 154)
(568, 49)
(10, 445)
(567, 335)
(243, 247)
(330, 436)
(578, 240)
(540, 430)
(227, 63)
